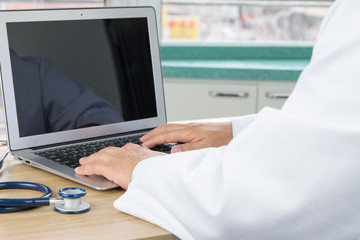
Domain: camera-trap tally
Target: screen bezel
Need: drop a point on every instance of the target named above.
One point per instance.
(15, 141)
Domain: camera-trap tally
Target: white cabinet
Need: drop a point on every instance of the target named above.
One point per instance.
(273, 93)
(189, 99)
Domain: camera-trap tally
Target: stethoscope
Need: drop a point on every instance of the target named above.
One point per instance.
(70, 203)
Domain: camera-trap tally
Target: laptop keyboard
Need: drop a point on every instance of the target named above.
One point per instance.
(70, 155)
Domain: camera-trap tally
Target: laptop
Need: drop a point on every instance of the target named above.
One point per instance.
(70, 77)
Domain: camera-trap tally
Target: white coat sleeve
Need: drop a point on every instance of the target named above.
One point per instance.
(240, 123)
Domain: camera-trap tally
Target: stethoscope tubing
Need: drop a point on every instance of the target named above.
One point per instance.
(34, 202)
(18, 204)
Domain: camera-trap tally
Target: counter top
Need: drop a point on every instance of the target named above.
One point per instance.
(235, 69)
(235, 62)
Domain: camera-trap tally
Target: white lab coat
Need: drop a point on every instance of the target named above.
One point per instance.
(287, 174)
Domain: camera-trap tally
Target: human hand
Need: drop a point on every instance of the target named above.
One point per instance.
(193, 135)
(116, 164)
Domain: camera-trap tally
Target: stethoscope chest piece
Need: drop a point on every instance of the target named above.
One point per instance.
(71, 202)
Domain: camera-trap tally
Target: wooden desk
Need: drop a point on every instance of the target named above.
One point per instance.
(102, 222)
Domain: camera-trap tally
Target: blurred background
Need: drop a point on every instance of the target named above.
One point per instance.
(252, 49)
(216, 21)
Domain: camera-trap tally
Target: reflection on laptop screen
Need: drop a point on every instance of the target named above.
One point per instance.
(83, 73)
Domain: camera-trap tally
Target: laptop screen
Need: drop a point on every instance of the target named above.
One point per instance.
(78, 74)
(75, 74)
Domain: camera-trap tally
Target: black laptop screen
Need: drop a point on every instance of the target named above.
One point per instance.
(83, 73)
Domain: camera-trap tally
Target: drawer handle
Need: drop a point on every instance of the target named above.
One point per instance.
(277, 95)
(223, 94)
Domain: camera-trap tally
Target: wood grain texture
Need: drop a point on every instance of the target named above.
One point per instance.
(102, 222)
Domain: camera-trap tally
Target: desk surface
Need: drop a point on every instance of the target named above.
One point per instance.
(102, 222)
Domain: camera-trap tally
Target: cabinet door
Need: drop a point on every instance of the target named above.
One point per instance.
(189, 101)
(274, 94)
